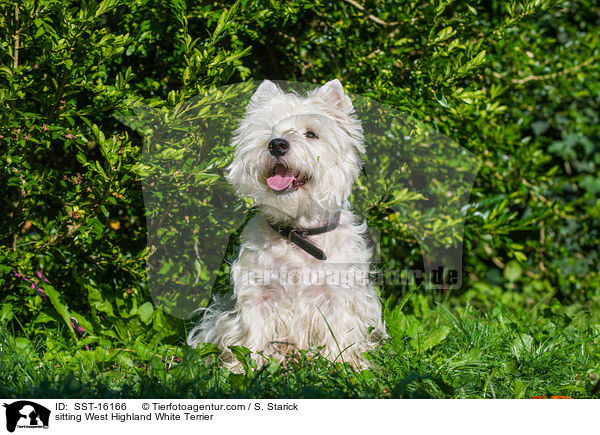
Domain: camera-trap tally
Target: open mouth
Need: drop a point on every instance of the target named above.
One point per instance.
(282, 179)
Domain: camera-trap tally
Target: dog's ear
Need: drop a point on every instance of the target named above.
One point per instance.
(332, 93)
(265, 92)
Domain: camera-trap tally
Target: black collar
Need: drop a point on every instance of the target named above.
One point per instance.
(298, 236)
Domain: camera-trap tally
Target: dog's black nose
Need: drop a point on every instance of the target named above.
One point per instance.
(278, 147)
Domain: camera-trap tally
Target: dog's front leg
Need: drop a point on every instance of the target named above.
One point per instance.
(250, 318)
(262, 316)
(345, 322)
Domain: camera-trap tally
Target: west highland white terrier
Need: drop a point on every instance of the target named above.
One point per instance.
(301, 278)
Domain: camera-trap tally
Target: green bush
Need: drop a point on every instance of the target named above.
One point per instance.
(514, 82)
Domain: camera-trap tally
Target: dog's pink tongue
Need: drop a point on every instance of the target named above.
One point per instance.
(280, 181)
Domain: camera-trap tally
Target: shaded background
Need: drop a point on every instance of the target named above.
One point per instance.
(515, 83)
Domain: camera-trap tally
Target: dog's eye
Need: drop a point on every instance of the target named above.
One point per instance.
(311, 135)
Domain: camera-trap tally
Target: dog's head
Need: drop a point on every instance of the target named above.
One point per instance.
(297, 155)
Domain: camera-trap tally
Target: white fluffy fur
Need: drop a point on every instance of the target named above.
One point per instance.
(274, 316)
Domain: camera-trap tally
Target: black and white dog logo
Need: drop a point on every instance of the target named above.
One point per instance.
(26, 414)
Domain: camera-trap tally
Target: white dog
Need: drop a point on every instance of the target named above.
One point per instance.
(301, 278)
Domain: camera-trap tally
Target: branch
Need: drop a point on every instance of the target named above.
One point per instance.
(18, 214)
(71, 230)
(16, 37)
(13, 103)
(369, 15)
(555, 74)
(549, 203)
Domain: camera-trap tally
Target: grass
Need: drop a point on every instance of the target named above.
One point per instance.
(458, 348)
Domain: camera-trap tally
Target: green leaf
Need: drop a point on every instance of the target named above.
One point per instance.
(225, 16)
(39, 32)
(23, 344)
(60, 308)
(445, 33)
(106, 6)
(512, 271)
(435, 338)
(207, 349)
(145, 312)
(6, 313)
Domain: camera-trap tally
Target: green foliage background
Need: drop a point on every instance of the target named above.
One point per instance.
(514, 82)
